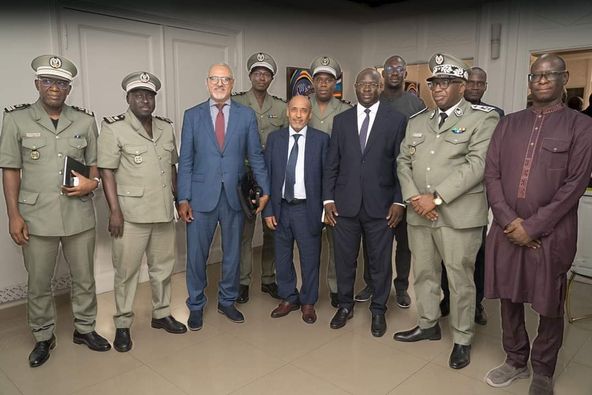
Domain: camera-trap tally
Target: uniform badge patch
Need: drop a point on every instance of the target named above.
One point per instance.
(325, 61)
(458, 111)
(138, 159)
(35, 155)
(458, 130)
(144, 77)
(412, 150)
(260, 57)
(481, 107)
(439, 59)
(84, 110)
(55, 62)
(114, 118)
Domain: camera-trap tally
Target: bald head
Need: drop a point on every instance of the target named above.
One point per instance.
(299, 112)
(368, 87)
(555, 60)
(369, 71)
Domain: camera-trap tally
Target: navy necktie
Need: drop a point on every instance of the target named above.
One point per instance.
(364, 130)
(443, 117)
(291, 170)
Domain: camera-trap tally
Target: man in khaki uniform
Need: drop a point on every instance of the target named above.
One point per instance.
(43, 214)
(325, 73)
(137, 158)
(271, 115)
(440, 168)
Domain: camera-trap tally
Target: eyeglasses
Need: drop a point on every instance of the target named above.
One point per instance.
(549, 76)
(261, 74)
(142, 96)
(224, 80)
(476, 84)
(373, 85)
(397, 69)
(48, 82)
(443, 84)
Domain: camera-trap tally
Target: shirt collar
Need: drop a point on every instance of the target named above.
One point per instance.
(214, 104)
(373, 108)
(450, 110)
(302, 132)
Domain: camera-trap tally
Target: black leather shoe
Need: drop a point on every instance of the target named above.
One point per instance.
(416, 334)
(378, 325)
(40, 352)
(271, 289)
(243, 294)
(480, 315)
(460, 356)
(93, 340)
(364, 295)
(334, 299)
(340, 318)
(445, 307)
(195, 321)
(403, 299)
(231, 313)
(169, 324)
(123, 340)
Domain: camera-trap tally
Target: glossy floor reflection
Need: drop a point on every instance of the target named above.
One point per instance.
(273, 356)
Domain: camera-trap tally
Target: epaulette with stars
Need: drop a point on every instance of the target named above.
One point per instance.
(17, 107)
(346, 102)
(84, 110)
(279, 98)
(419, 112)
(163, 119)
(481, 107)
(114, 118)
(238, 93)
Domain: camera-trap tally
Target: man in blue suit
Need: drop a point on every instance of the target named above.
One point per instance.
(295, 158)
(217, 136)
(363, 196)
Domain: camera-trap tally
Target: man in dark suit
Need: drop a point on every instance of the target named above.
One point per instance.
(362, 195)
(217, 136)
(296, 207)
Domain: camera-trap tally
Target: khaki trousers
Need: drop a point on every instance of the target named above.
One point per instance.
(157, 241)
(329, 246)
(40, 256)
(457, 248)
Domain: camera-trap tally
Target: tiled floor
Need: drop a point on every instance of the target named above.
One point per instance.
(272, 356)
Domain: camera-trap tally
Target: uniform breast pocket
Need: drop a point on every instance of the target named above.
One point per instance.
(555, 153)
(456, 144)
(168, 152)
(35, 150)
(135, 153)
(76, 147)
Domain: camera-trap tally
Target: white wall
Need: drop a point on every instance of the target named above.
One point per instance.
(293, 38)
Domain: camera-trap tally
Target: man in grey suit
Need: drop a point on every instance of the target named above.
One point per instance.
(217, 136)
(440, 168)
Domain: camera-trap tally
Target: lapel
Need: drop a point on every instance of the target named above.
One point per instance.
(283, 153)
(42, 118)
(308, 148)
(254, 104)
(353, 133)
(232, 120)
(376, 127)
(434, 119)
(207, 122)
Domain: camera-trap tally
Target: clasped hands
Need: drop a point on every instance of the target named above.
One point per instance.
(517, 235)
(393, 217)
(424, 205)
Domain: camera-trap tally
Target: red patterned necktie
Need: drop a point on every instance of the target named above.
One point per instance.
(220, 126)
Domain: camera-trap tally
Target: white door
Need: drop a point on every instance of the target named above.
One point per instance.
(107, 48)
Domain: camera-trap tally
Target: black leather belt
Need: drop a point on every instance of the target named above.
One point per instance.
(295, 201)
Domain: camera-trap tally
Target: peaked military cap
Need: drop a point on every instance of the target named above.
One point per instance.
(54, 66)
(447, 66)
(261, 59)
(140, 80)
(325, 64)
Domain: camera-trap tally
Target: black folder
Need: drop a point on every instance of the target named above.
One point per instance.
(72, 164)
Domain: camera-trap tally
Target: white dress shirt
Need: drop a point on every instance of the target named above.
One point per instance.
(360, 109)
(299, 189)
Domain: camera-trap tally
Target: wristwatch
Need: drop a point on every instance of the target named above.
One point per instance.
(437, 199)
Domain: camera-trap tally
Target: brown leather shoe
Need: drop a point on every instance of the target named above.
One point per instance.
(308, 313)
(283, 309)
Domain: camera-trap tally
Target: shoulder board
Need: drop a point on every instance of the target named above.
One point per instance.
(114, 118)
(17, 107)
(163, 119)
(481, 107)
(346, 102)
(419, 112)
(238, 93)
(84, 110)
(279, 98)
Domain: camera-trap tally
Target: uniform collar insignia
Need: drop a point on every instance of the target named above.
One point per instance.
(458, 111)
